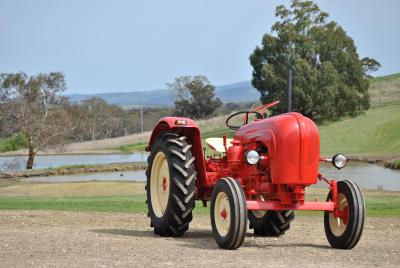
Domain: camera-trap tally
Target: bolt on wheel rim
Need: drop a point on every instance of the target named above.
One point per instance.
(159, 184)
(222, 214)
(337, 224)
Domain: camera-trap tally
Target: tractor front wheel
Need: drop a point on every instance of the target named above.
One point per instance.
(228, 214)
(170, 185)
(345, 231)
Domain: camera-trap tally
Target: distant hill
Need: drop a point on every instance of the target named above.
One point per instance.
(382, 90)
(237, 92)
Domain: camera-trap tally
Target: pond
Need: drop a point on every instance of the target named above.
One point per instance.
(46, 161)
(368, 176)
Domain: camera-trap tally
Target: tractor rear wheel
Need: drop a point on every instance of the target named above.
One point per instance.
(228, 214)
(271, 222)
(345, 231)
(170, 185)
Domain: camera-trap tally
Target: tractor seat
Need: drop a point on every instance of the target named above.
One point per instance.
(217, 144)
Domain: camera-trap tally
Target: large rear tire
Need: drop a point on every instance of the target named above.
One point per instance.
(228, 214)
(344, 232)
(170, 185)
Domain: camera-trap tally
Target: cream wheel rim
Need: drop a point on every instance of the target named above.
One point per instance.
(337, 226)
(222, 214)
(259, 213)
(159, 184)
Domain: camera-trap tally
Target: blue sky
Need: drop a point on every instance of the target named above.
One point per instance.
(110, 46)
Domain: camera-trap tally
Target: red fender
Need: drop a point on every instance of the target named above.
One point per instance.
(189, 128)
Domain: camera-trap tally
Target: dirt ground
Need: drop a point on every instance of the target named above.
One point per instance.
(69, 239)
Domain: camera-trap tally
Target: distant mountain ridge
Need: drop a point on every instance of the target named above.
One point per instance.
(237, 92)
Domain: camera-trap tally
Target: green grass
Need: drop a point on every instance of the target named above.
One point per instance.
(378, 205)
(129, 204)
(129, 148)
(394, 164)
(377, 132)
(71, 166)
(12, 143)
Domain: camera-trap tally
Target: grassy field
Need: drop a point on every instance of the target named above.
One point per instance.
(130, 198)
(377, 132)
(385, 89)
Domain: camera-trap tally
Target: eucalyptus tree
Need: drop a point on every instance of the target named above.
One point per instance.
(33, 106)
(330, 79)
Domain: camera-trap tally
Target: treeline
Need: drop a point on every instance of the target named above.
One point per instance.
(95, 119)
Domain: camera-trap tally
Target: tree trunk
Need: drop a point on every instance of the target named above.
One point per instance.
(29, 164)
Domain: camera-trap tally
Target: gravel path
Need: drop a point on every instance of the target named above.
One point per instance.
(68, 239)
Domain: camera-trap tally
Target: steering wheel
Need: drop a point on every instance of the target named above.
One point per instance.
(246, 118)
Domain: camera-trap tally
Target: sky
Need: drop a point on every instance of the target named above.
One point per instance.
(136, 45)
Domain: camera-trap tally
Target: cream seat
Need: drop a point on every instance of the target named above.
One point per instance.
(217, 144)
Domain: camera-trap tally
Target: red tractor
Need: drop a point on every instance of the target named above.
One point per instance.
(260, 175)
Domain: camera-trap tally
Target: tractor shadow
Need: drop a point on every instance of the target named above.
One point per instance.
(150, 234)
(203, 239)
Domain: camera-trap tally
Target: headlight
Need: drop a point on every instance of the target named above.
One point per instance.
(252, 157)
(339, 161)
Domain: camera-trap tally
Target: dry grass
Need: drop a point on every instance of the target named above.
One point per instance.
(75, 189)
(385, 89)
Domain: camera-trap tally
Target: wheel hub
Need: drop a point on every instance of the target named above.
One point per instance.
(222, 213)
(164, 184)
(338, 224)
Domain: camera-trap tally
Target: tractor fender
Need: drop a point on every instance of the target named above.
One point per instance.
(186, 127)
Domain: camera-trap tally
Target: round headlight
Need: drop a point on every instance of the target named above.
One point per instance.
(252, 157)
(339, 161)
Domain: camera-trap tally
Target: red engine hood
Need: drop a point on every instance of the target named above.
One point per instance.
(293, 146)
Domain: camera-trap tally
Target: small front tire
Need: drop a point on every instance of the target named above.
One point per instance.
(228, 214)
(344, 232)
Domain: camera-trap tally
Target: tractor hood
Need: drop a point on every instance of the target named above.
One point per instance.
(293, 146)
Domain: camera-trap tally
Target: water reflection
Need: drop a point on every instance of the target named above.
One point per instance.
(46, 161)
(366, 175)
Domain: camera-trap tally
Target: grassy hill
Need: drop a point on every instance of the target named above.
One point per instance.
(385, 89)
(376, 132)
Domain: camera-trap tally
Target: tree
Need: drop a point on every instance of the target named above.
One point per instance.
(194, 96)
(34, 107)
(98, 119)
(329, 79)
(370, 65)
